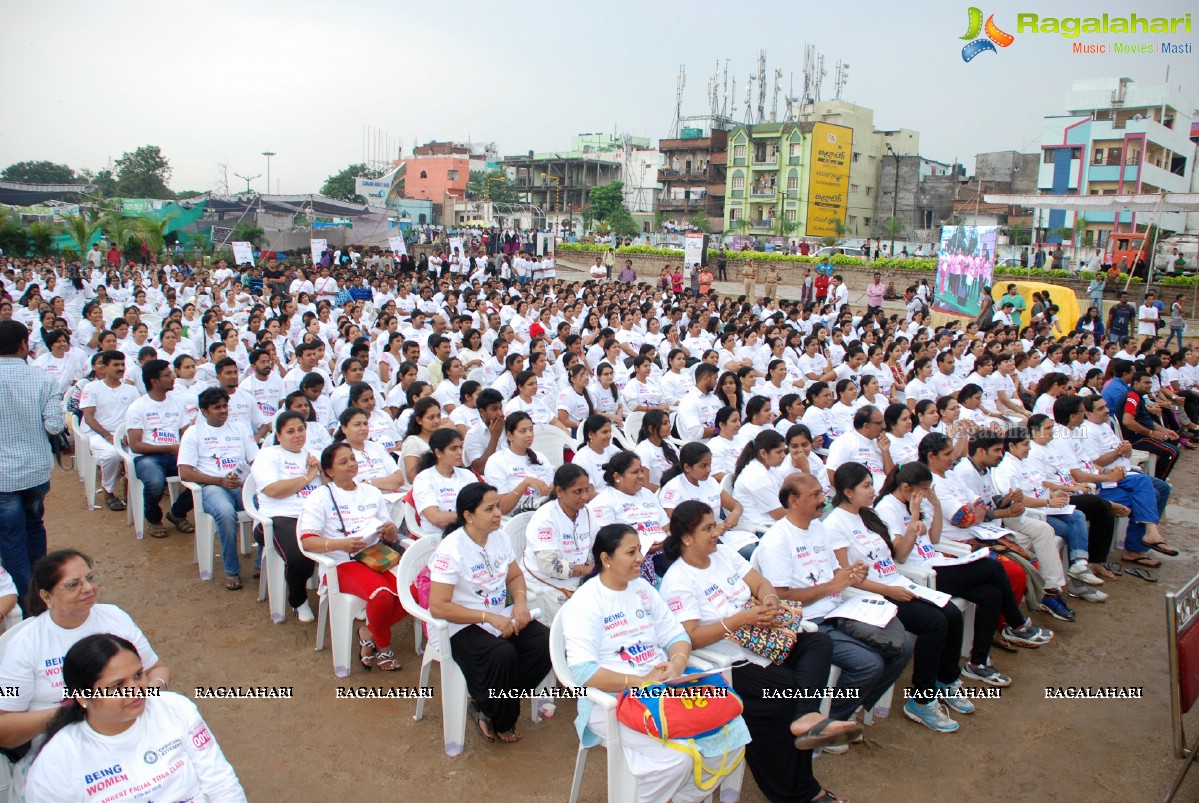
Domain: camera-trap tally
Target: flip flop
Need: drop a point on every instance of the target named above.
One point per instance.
(1141, 573)
(481, 721)
(815, 736)
(1114, 568)
(1103, 572)
(233, 583)
(114, 504)
(1164, 548)
(1144, 560)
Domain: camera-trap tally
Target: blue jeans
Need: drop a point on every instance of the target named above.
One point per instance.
(22, 534)
(153, 470)
(224, 505)
(1147, 496)
(1174, 333)
(1073, 529)
(864, 669)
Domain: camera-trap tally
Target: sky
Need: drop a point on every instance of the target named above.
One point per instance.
(219, 82)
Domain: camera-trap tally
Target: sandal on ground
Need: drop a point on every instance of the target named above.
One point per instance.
(1163, 548)
(156, 530)
(1114, 568)
(386, 661)
(510, 737)
(181, 523)
(819, 736)
(1141, 573)
(1143, 560)
(368, 660)
(233, 582)
(829, 797)
(482, 721)
(1106, 573)
(114, 504)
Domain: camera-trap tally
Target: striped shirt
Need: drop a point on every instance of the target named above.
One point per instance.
(29, 409)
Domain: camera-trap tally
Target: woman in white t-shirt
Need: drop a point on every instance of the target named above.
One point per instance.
(802, 459)
(525, 401)
(375, 464)
(596, 451)
(61, 363)
(473, 574)
(620, 635)
(520, 474)
(574, 401)
(64, 610)
(157, 746)
(628, 501)
(318, 437)
(909, 508)
(449, 392)
(692, 480)
(657, 454)
(713, 592)
(341, 519)
(466, 414)
(381, 428)
(425, 420)
(918, 388)
(858, 536)
(898, 420)
(558, 542)
(439, 478)
(726, 446)
(756, 484)
(605, 395)
(286, 475)
(642, 393)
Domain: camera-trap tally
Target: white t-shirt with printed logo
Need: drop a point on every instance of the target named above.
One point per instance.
(848, 531)
(853, 448)
(168, 753)
(627, 631)
(896, 515)
(362, 509)
(110, 403)
(593, 463)
(551, 530)
(431, 489)
(274, 463)
(267, 393)
(505, 470)
(680, 490)
(374, 462)
(33, 656)
(479, 574)
(709, 595)
(793, 558)
(218, 451)
(160, 422)
(642, 512)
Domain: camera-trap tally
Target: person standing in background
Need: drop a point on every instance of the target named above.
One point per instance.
(30, 410)
(722, 265)
(773, 277)
(749, 275)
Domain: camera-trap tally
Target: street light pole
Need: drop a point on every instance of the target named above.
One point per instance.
(894, 197)
(268, 155)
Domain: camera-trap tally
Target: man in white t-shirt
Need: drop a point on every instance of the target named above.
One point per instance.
(697, 410)
(156, 423)
(796, 557)
(865, 445)
(216, 455)
(102, 406)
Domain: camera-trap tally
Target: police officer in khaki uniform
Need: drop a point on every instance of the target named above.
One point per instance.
(773, 277)
(749, 275)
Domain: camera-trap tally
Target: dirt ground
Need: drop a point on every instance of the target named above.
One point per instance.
(311, 747)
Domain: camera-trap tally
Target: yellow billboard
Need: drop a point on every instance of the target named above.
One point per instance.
(830, 153)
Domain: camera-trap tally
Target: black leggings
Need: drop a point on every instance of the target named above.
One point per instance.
(509, 664)
(782, 772)
(299, 568)
(1101, 524)
(985, 583)
(938, 633)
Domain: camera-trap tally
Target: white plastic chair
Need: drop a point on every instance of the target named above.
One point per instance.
(476, 375)
(135, 508)
(273, 580)
(632, 425)
(6, 765)
(928, 579)
(550, 441)
(206, 531)
(339, 610)
(453, 683)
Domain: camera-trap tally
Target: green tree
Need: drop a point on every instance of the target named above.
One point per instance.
(491, 185)
(104, 180)
(247, 232)
(588, 217)
(892, 229)
(699, 222)
(152, 231)
(340, 185)
(119, 231)
(622, 222)
(143, 173)
(81, 230)
(740, 225)
(41, 237)
(39, 173)
(606, 200)
(784, 227)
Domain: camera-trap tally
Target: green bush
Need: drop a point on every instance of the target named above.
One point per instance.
(904, 263)
(1179, 281)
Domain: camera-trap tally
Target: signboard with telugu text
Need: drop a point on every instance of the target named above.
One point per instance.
(831, 152)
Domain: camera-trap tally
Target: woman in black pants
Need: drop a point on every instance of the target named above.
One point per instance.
(909, 508)
(785, 727)
(285, 475)
(858, 537)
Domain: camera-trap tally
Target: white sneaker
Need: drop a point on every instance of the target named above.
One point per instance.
(304, 613)
(1082, 572)
(1086, 593)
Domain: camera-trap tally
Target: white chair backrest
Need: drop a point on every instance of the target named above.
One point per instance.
(249, 498)
(415, 558)
(632, 425)
(118, 438)
(476, 375)
(550, 441)
(726, 483)
(515, 530)
(558, 650)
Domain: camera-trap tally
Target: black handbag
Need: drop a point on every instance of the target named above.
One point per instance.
(60, 445)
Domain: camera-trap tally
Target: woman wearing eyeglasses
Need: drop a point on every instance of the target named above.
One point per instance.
(63, 604)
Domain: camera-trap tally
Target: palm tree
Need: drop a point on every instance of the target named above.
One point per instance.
(247, 232)
(893, 227)
(152, 232)
(784, 227)
(41, 237)
(118, 230)
(81, 230)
